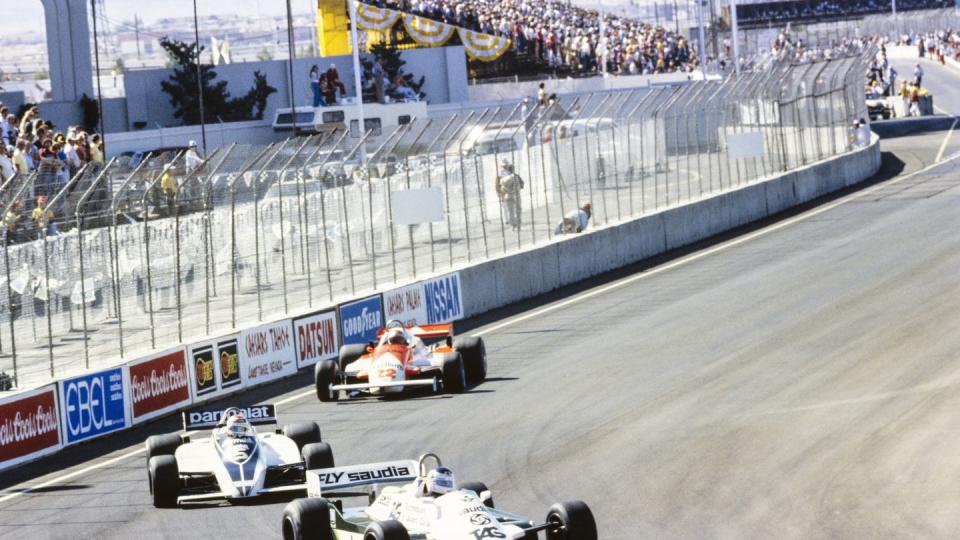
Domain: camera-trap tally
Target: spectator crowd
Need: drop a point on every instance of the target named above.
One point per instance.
(31, 145)
(777, 13)
(563, 35)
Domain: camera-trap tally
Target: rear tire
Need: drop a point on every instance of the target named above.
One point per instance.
(307, 519)
(324, 375)
(478, 488)
(302, 433)
(573, 520)
(474, 354)
(386, 530)
(350, 353)
(164, 481)
(453, 373)
(163, 445)
(317, 456)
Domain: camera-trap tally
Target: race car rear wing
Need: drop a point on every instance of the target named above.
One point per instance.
(258, 415)
(322, 482)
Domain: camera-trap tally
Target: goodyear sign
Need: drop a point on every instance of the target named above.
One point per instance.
(360, 320)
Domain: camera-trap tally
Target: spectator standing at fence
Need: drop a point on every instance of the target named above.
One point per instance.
(43, 218)
(168, 185)
(575, 221)
(9, 129)
(7, 170)
(333, 84)
(918, 75)
(12, 221)
(96, 148)
(192, 158)
(22, 160)
(542, 95)
(315, 86)
(508, 185)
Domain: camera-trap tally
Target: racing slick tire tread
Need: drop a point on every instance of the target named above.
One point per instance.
(386, 530)
(576, 521)
(302, 433)
(325, 374)
(349, 353)
(164, 481)
(474, 354)
(317, 456)
(163, 445)
(453, 373)
(307, 519)
(478, 488)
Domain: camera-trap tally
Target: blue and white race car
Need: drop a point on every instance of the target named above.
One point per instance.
(236, 461)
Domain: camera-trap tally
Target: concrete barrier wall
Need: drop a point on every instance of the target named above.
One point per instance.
(511, 278)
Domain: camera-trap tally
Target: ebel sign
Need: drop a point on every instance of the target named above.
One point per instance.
(360, 320)
(92, 405)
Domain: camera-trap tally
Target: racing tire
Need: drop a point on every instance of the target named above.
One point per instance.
(478, 488)
(474, 354)
(307, 519)
(302, 433)
(386, 530)
(349, 353)
(324, 375)
(164, 481)
(162, 445)
(318, 455)
(573, 520)
(453, 373)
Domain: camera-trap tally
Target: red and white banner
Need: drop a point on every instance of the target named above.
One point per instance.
(29, 426)
(317, 338)
(267, 352)
(406, 305)
(159, 383)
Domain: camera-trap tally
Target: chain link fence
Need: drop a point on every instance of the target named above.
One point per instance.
(129, 257)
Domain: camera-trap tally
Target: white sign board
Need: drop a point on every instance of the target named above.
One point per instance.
(317, 338)
(413, 206)
(267, 352)
(406, 305)
(745, 145)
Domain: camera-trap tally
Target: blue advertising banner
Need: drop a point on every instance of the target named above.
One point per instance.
(93, 405)
(360, 320)
(443, 300)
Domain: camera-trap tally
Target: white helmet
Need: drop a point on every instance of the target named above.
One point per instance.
(237, 426)
(439, 481)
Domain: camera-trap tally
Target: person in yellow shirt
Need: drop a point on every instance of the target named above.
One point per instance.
(96, 148)
(168, 184)
(43, 217)
(11, 219)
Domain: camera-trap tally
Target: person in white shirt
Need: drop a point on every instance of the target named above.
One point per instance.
(576, 220)
(7, 171)
(193, 159)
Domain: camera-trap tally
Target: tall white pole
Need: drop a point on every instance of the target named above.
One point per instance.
(603, 42)
(736, 37)
(355, 47)
(703, 42)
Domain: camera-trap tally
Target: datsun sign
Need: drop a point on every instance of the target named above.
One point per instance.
(267, 353)
(158, 384)
(317, 338)
(93, 405)
(360, 320)
(29, 426)
(442, 299)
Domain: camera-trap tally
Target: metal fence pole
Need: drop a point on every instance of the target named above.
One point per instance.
(146, 246)
(413, 251)
(428, 155)
(234, 277)
(257, 180)
(6, 263)
(283, 244)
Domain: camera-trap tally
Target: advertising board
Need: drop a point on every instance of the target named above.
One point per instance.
(442, 299)
(317, 338)
(158, 384)
(360, 320)
(29, 426)
(406, 305)
(267, 353)
(93, 404)
(214, 367)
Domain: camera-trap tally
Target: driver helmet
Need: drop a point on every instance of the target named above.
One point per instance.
(393, 323)
(237, 426)
(439, 481)
(395, 337)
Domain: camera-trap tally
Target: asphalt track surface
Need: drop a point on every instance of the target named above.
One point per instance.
(796, 379)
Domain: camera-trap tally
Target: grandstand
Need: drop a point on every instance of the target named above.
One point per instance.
(753, 14)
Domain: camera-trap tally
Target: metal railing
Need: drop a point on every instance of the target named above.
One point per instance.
(151, 254)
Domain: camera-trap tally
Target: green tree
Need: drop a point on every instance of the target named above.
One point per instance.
(41, 75)
(264, 54)
(217, 102)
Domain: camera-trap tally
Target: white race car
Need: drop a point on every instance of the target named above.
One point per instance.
(235, 462)
(406, 503)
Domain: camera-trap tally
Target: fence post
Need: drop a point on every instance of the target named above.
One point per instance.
(6, 264)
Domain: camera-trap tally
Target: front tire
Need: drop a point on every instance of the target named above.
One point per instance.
(386, 530)
(474, 354)
(164, 481)
(453, 373)
(302, 433)
(572, 520)
(350, 353)
(163, 445)
(307, 519)
(325, 375)
(317, 456)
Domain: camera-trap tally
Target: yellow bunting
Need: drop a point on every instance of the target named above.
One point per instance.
(427, 32)
(483, 47)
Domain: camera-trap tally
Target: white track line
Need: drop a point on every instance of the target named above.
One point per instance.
(553, 307)
(946, 139)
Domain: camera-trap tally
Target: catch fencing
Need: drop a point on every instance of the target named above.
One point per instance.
(128, 258)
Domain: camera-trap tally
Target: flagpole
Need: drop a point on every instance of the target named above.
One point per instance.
(355, 46)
